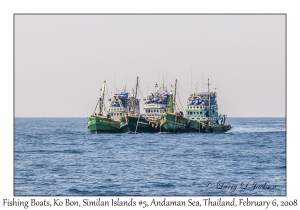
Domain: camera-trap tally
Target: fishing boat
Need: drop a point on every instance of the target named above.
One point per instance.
(98, 123)
(156, 103)
(202, 110)
(171, 121)
(114, 121)
(138, 123)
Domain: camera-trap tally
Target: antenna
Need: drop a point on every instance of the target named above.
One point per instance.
(203, 80)
(158, 80)
(163, 83)
(166, 78)
(114, 81)
(208, 85)
(191, 81)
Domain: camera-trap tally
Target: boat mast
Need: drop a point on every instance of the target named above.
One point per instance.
(208, 98)
(171, 108)
(135, 94)
(101, 99)
(163, 83)
(175, 94)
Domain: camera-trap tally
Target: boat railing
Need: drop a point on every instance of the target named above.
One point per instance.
(202, 107)
(116, 109)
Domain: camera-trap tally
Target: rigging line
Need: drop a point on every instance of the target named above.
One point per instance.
(183, 89)
(137, 123)
(148, 82)
(140, 89)
(107, 93)
(179, 99)
(184, 82)
(96, 107)
(141, 92)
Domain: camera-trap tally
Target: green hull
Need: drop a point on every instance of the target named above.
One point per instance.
(140, 125)
(217, 128)
(170, 122)
(101, 124)
(206, 127)
(195, 126)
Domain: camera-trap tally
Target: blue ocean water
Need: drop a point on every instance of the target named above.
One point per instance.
(58, 156)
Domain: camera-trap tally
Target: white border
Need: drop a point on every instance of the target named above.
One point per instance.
(8, 8)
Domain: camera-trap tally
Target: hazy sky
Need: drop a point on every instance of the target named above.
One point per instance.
(62, 60)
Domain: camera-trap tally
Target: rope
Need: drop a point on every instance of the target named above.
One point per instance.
(182, 88)
(179, 100)
(96, 106)
(137, 123)
(175, 122)
(126, 120)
